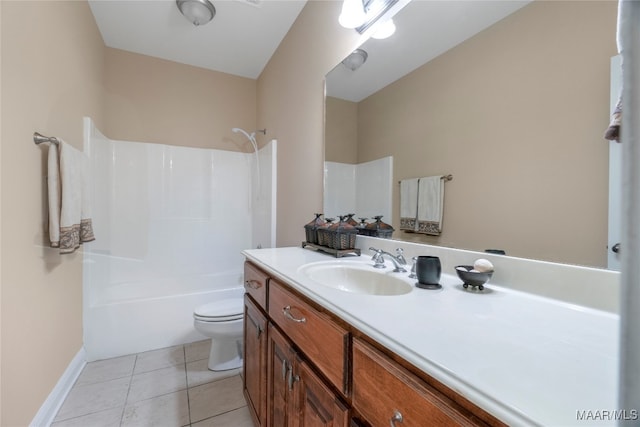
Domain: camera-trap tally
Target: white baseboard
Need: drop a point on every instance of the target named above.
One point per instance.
(56, 398)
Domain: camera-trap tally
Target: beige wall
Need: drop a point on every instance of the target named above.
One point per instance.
(52, 61)
(154, 100)
(50, 80)
(341, 131)
(517, 115)
(291, 106)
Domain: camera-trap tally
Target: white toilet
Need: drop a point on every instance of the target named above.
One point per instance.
(222, 322)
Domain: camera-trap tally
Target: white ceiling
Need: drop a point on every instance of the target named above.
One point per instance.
(244, 34)
(239, 40)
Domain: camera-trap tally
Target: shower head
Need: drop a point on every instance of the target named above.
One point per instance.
(250, 136)
(238, 130)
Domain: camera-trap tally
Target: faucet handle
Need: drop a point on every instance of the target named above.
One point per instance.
(378, 258)
(400, 257)
(413, 268)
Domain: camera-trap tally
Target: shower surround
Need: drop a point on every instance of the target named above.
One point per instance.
(170, 223)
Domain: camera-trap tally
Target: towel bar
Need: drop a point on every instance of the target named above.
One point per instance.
(445, 177)
(39, 139)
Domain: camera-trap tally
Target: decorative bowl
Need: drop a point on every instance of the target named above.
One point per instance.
(473, 278)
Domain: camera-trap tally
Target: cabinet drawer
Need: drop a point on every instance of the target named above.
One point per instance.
(255, 284)
(323, 342)
(382, 390)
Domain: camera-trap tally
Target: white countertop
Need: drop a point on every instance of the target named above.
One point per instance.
(526, 359)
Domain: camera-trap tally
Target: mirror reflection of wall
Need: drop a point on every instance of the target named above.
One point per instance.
(365, 189)
(517, 114)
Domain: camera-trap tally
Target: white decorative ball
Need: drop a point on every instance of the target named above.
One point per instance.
(483, 265)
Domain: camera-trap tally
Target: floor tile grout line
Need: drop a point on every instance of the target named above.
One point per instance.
(126, 399)
(77, 386)
(186, 379)
(64, 420)
(146, 399)
(220, 414)
(130, 376)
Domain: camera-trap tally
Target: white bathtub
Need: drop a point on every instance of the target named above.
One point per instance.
(132, 317)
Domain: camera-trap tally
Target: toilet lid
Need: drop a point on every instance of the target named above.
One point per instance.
(218, 319)
(226, 309)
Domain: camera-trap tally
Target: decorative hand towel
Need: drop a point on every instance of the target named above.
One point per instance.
(409, 204)
(612, 133)
(430, 205)
(69, 216)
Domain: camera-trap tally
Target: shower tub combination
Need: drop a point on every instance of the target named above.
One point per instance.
(140, 316)
(170, 225)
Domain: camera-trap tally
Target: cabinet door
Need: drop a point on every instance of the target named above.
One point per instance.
(316, 405)
(255, 361)
(279, 365)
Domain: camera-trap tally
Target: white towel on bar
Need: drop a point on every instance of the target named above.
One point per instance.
(69, 208)
(409, 204)
(430, 205)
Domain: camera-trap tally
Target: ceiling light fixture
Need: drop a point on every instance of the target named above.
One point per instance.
(384, 29)
(362, 14)
(198, 12)
(353, 14)
(355, 59)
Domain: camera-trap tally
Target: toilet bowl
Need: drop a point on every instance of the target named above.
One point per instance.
(222, 322)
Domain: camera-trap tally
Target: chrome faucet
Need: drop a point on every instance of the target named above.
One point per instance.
(398, 260)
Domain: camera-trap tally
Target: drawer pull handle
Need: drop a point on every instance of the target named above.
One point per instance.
(397, 417)
(287, 313)
(258, 331)
(253, 284)
(292, 379)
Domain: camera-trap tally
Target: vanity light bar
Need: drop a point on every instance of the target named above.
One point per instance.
(375, 9)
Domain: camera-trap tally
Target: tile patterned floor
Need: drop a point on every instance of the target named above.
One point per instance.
(170, 387)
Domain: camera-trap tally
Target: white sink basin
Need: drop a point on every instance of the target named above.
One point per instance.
(356, 277)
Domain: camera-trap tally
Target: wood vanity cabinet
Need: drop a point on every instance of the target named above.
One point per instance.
(303, 367)
(298, 396)
(255, 342)
(255, 360)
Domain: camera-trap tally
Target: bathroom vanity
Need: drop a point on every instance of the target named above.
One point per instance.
(318, 354)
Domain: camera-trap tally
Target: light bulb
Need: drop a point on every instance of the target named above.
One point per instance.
(352, 14)
(384, 30)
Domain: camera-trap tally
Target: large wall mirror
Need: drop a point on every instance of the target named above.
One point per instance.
(512, 99)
